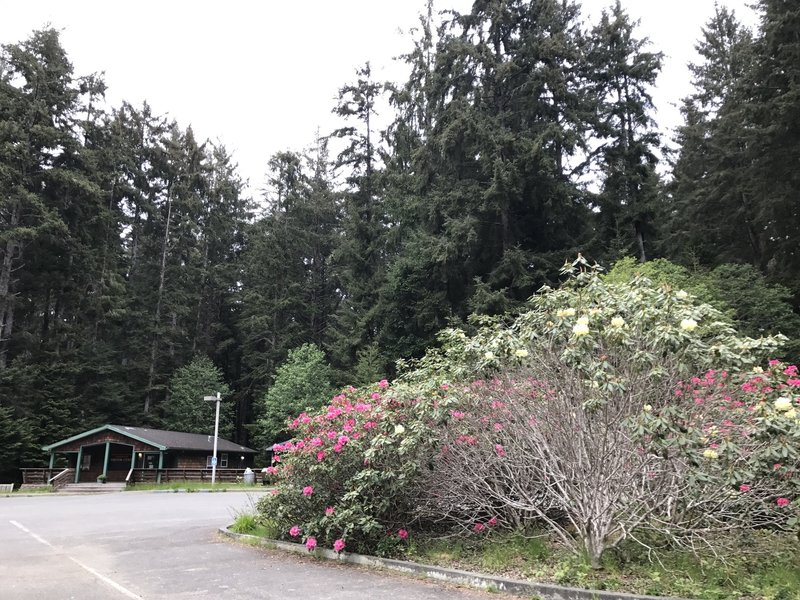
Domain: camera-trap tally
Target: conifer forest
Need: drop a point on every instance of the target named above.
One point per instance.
(138, 272)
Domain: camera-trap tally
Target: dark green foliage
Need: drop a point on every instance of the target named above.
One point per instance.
(521, 136)
(185, 409)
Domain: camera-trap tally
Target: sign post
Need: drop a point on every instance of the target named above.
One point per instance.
(216, 436)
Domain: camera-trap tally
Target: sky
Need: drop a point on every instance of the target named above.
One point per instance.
(262, 76)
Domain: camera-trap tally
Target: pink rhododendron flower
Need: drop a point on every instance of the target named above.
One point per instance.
(375, 396)
(320, 455)
(329, 510)
(744, 488)
(311, 543)
(478, 527)
(793, 382)
(497, 426)
(457, 414)
(444, 387)
(501, 452)
(337, 448)
(492, 522)
(294, 531)
(369, 424)
(783, 502)
(791, 370)
(338, 545)
(383, 384)
(343, 439)
(776, 466)
(331, 435)
(774, 362)
(308, 490)
(402, 534)
(271, 470)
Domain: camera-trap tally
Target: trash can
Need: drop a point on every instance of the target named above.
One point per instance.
(249, 476)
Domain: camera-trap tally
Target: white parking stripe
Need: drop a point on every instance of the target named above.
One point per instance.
(122, 590)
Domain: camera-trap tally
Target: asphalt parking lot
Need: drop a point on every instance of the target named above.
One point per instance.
(149, 545)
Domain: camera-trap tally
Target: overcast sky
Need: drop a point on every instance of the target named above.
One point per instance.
(261, 76)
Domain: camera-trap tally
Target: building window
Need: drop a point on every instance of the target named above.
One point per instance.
(221, 463)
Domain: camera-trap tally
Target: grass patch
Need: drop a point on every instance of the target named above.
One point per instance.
(193, 486)
(39, 489)
(254, 525)
(767, 568)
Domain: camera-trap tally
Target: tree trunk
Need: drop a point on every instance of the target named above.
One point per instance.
(6, 297)
(157, 317)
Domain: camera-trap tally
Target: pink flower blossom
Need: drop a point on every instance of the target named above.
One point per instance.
(744, 488)
(776, 466)
(501, 452)
(343, 439)
(498, 427)
(308, 490)
(321, 455)
(791, 370)
(457, 414)
(337, 448)
(331, 435)
(294, 531)
(375, 396)
(774, 362)
(271, 470)
(783, 502)
(444, 387)
(402, 534)
(383, 384)
(492, 522)
(338, 545)
(369, 424)
(316, 441)
(311, 543)
(795, 382)
(329, 511)
(478, 527)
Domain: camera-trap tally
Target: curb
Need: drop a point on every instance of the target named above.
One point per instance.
(477, 580)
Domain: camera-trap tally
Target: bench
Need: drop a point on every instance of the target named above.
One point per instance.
(6, 488)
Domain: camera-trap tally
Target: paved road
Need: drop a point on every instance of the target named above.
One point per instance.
(150, 546)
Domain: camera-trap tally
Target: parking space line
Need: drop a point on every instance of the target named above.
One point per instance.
(121, 589)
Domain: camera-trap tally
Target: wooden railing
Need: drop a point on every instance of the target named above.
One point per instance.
(172, 475)
(62, 479)
(38, 477)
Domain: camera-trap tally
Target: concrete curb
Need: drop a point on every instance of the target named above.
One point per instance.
(485, 582)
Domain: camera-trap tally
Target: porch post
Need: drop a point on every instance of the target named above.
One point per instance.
(78, 465)
(52, 460)
(105, 459)
(160, 464)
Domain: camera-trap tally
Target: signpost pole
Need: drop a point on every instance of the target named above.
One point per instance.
(216, 399)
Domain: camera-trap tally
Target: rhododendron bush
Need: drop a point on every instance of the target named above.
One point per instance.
(582, 414)
(348, 473)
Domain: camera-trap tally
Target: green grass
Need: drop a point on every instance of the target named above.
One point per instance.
(773, 575)
(194, 486)
(42, 489)
(254, 525)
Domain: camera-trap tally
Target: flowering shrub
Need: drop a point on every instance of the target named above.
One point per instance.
(576, 425)
(347, 476)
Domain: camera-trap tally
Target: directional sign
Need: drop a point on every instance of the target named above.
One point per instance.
(213, 461)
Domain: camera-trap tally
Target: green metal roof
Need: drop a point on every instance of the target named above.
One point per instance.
(162, 439)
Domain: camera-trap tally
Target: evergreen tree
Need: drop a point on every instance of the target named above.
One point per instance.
(622, 74)
(185, 409)
(303, 382)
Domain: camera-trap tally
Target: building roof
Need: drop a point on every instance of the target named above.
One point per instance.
(162, 439)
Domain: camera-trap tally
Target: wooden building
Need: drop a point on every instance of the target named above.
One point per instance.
(131, 454)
